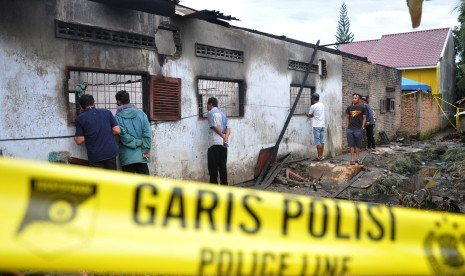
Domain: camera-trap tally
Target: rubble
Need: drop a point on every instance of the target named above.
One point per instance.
(422, 174)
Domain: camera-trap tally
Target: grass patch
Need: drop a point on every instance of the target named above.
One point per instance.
(455, 154)
(409, 162)
(385, 186)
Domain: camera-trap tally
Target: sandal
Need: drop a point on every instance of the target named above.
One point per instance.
(352, 162)
(359, 162)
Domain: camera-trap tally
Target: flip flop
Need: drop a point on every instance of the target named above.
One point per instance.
(359, 162)
(352, 162)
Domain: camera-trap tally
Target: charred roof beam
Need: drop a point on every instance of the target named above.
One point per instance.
(159, 7)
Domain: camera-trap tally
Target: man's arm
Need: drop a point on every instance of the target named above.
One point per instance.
(218, 131)
(347, 121)
(364, 121)
(128, 140)
(228, 132)
(79, 140)
(146, 136)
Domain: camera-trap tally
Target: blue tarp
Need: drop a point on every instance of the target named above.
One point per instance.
(411, 85)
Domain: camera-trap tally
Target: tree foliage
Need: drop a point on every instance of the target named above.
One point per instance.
(459, 41)
(343, 34)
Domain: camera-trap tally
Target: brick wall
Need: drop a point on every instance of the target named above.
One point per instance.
(409, 119)
(421, 115)
(374, 81)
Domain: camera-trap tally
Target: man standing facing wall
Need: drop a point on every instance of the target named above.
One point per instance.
(317, 113)
(218, 135)
(136, 135)
(97, 127)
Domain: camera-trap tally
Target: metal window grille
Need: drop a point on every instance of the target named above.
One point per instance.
(305, 100)
(94, 34)
(227, 93)
(301, 66)
(202, 50)
(103, 87)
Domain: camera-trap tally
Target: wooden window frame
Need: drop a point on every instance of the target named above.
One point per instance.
(382, 106)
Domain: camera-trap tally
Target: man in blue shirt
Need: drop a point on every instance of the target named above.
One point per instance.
(369, 125)
(218, 135)
(97, 127)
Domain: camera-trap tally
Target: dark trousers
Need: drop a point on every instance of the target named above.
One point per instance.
(140, 168)
(217, 158)
(370, 136)
(109, 164)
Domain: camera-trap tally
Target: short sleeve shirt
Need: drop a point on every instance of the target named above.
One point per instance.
(216, 118)
(355, 113)
(318, 111)
(96, 127)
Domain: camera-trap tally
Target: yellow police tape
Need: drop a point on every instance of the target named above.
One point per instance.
(66, 218)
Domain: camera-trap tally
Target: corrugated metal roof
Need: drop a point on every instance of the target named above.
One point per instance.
(412, 49)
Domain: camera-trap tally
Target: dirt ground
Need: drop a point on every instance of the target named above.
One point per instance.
(418, 174)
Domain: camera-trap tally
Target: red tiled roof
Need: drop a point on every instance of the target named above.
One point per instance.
(359, 48)
(413, 49)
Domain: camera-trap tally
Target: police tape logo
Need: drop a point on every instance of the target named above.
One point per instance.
(445, 248)
(60, 216)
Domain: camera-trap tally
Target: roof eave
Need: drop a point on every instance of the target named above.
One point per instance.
(417, 67)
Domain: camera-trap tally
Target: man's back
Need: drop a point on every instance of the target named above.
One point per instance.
(318, 111)
(96, 126)
(216, 118)
(136, 135)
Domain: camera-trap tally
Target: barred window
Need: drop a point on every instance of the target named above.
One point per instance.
(305, 100)
(228, 93)
(103, 87)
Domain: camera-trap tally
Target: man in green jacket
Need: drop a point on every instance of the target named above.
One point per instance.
(136, 135)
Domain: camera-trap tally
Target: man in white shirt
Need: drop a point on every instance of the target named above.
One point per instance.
(218, 136)
(317, 113)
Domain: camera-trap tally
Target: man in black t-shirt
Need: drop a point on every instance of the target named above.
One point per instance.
(355, 124)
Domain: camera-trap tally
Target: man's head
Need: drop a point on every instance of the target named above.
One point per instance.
(86, 101)
(122, 97)
(364, 99)
(316, 97)
(211, 103)
(355, 98)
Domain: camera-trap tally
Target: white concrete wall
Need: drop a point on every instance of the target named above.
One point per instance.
(181, 147)
(34, 62)
(32, 94)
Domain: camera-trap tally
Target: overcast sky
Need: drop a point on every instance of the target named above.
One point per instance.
(312, 20)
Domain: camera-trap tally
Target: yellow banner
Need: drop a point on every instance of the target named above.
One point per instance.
(69, 218)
